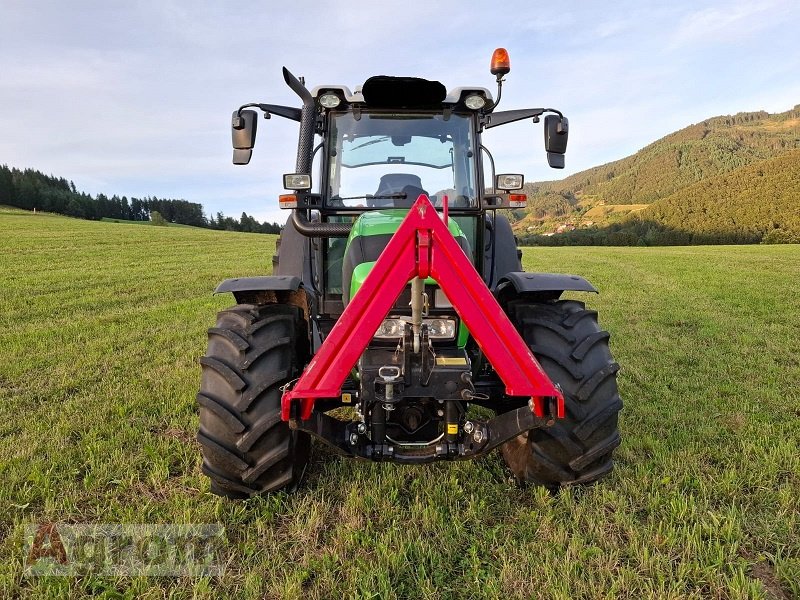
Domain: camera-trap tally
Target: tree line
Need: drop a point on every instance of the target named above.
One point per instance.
(32, 190)
(638, 232)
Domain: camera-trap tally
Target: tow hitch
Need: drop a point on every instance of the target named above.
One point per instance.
(475, 438)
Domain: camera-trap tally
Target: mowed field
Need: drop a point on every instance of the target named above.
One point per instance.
(101, 329)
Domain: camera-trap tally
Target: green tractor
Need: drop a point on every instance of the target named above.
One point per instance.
(398, 291)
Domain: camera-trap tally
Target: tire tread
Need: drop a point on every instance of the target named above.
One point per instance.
(253, 351)
(573, 350)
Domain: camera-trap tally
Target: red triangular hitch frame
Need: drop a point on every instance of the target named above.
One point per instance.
(422, 247)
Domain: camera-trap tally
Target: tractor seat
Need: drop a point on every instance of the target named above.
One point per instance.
(396, 183)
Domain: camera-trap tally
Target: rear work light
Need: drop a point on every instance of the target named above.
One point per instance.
(475, 101)
(297, 181)
(329, 100)
(394, 327)
(509, 181)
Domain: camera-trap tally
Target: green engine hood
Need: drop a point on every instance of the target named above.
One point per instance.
(369, 235)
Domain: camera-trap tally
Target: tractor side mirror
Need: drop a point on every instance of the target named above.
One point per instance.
(556, 131)
(243, 135)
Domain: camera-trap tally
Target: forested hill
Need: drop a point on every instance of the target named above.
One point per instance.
(709, 148)
(752, 204)
(33, 190)
(760, 201)
(674, 170)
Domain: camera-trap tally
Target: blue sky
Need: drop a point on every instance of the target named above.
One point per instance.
(135, 98)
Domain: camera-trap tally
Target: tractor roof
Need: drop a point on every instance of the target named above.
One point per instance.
(404, 92)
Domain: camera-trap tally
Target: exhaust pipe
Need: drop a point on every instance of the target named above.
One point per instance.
(305, 147)
(324, 230)
(307, 117)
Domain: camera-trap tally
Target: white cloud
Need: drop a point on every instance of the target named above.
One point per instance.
(135, 99)
(730, 22)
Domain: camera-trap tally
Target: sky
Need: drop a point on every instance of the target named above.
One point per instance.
(134, 98)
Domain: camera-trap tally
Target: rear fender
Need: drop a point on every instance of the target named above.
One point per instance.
(547, 286)
(283, 289)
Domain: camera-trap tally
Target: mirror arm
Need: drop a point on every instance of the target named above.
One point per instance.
(509, 116)
(287, 112)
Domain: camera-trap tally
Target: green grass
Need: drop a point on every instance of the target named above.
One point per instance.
(127, 222)
(101, 328)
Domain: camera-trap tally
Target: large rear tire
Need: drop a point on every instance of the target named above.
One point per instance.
(252, 352)
(574, 352)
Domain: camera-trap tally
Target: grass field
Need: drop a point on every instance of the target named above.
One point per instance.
(126, 222)
(101, 328)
